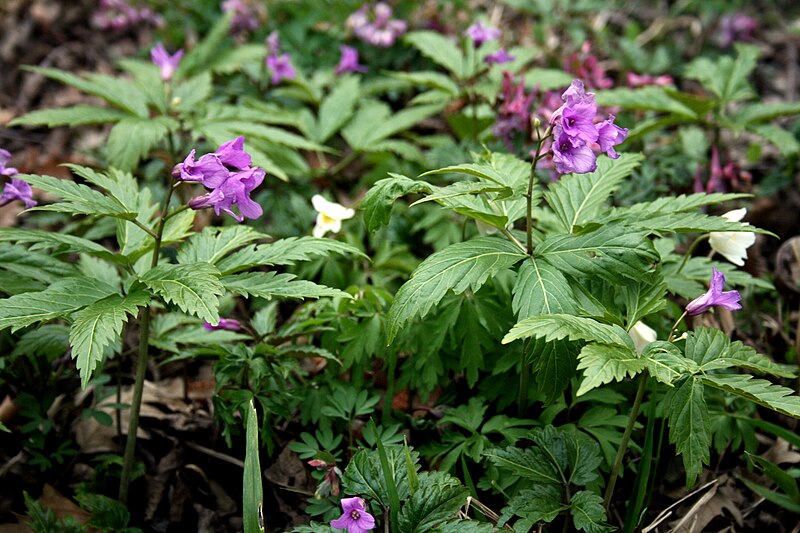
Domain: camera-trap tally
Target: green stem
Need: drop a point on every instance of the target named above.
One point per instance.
(688, 253)
(675, 327)
(529, 193)
(626, 437)
(346, 160)
(145, 228)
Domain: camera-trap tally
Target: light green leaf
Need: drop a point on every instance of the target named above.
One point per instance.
(270, 284)
(646, 98)
(462, 188)
(430, 79)
(541, 289)
(274, 135)
(97, 325)
(760, 391)
(588, 513)
(783, 139)
(689, 426)
(193, 287)
(539, 503)
(760, 112)
(77, 198)
(206, 51)
(214, 243)
(77, 115)
(132, 139)
(59, 243)
(375, 122)
(253, 495)
(561, 326)
(337, 108)
(379, 200)
(188, 94)
(438, 498)
(364, 474)
(706, 344)
(547, 79)
(669, 205)
(502, 169)
(439, 49)
(726, 77)
(739, 355)
(666, 363)
(284, 252)
(603, 363)
(461, 266)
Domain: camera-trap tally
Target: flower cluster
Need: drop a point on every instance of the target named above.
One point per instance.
(245, 15)
(355, 519)
(280, 65)
(586, 66)
(574, 131)
(715, 297)
(119, 15)
(736, 27)
(330, 215)
(226, 187)
(16, 189)
(515, 109)
(349, 61)
(167, 64)
(382, 30)
(720, 178)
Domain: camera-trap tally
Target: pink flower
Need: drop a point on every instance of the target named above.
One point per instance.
(245, 15)
(609, 135)
(166, 63)
(349, 61)
(5, 157)
(382, 31)
(498, 58)
(355, 518)
(715, 297)
(230, 324)
(17, 189)
(643, 80)
(481, 34)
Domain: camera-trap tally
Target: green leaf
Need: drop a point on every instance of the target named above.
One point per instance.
(50, 340)
(547, 79)
(462, 188)
(668, 205)
(603, 363)
(270, 284)
(646, 98)
(464, 526)
(689, 426)
(666, 363)
(284, 252)
(531, 463)
(578, 198)
(562, 326)
(760, 112)
(720, 353)
(541, 289)
(588, 513)
(374, 122)
(783, 139)
(193, 287)
(131, 140)
(644, 298)
(461, 266)
(274, 135)
(379, 200)
(364, 475)
(706, 344)
(540, 503)
(430, 79)
(214, 243)
(252, 492)
(726, 78)
(58, 300)
(439, 49)
(775, 497)
(97, 325)
(77, 115)
(553, 366)
(760, 391)
(337, 108)
(32, 264)
(438, 498)
(77, 198)
(201, 56)
(188, 94)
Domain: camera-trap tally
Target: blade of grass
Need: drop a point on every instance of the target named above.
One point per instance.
(253, 496)
(391, 487)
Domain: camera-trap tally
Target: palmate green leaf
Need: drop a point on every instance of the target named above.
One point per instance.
(214, 243)
(284, 252)
(337, 108)
(541, 289)
(59, 300)
(364, 475)
(604, 363)
(760, 391)
(588, 513)
(97, 325)
(77, 198)
(438, 497)
(712, 350)
(193, 287)
(461, 266)
(531, 463)
(131, 139)
(439, 49)
(271, 284)
(726, 77)
(666, 362)
(578, 198)
(77, 115)
(783, 139)
(648, 98)
(613, 252)
(540, 503)
(562, 326)
(689, 426)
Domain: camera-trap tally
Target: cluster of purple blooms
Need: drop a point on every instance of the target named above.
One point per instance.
(15, 189)
(574, 132)
(167, 64)
(736, 27)
(375, 25)
(245, 15)
(280, 65)
(481, 34)
(226, 187)
(119, 15)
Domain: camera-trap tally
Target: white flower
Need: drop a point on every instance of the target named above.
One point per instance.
(642, 335)
(732, 245)
(330, 215)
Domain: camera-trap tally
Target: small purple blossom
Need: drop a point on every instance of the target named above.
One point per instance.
(119, 15)
(245, 15)
(230, 324)
(349, 61)
(5, 157)
(17, 189)
(569, 157)
(498, 58)
(208, 170)
(715, 297)
(609, 135)
(280, 65)
(736, 27)
(232, 154)
(643, 80)
(235, 190)
(481, 34)
(586, 66)
(355, 519)
(166, 63)
(382, 30)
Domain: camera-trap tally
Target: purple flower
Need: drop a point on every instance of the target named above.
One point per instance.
(167, 64)
(515, 112)
(232, 154)
(281, 68)
(609, 135)
(715, 296)
(17, 189)
(118, 15)
(498, 58)
(230, 324)
(273, 44)
(481, 34)
(643, 80)
(245, 15)
(577, 122)
(208, 170)
(383, 31)
(736, 27)
(5, 157)
(234, 191)
(349, 61)
(571, 158)
(355, 519)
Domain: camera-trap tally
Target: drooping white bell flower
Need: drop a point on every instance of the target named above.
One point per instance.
(642, 335)
(732, 245)
(330, 215)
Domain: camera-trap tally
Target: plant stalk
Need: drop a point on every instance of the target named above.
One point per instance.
(626, 437)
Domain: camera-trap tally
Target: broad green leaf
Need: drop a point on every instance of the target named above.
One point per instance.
(546, 79)
(578, 198)
(462, 188)
(193, 287)
(706, 344)
(530, 463)
(97, 325)
(430, 79)
(541, 289)
(214, 244)
(647, 98)
(726, 77)
(562, 326)
(666, 363)
(77, 115)
(689, 426)
(644, 298)
(613, 252)
(588, 513)
(253, 495)
(148, 80)
(188, 94)
(77, 198)
(404, 149)
(781, 477)
(603, 363)
(374, 122)
(95, 268)
(777, 498)
(50, 340)
(32, 264)
(668, 205)
(438, 498)
(691, 223)
(553, 366)
(464, 526)
(760, 112)
(783, 139)
(461, 266)
(502, 169)
(337, 108)
(270, 284)
(274, 135)
(364, 475)
(439, 49)
(59, 300)
(539, 503)
(131, 140)
(760, 391)
(284, 252)
(739, 355)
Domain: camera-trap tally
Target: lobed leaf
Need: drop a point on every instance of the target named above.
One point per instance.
(603, 363)
(760, 391)
(284, 252)
(690, 426)
(271, 284)
(193, 287)
(562, 326)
